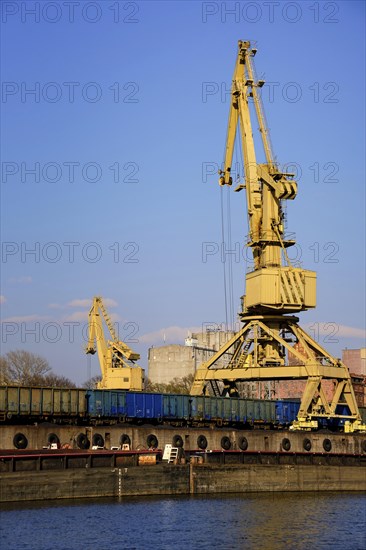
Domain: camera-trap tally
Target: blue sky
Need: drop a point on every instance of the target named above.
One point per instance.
(126, 121)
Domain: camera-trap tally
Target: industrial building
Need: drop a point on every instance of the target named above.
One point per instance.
(355, 359)
(177, 360)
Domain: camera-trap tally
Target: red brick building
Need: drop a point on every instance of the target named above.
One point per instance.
(354, 359)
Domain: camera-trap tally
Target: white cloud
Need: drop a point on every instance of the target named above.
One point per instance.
(109, 302)
(334, 330)
(87, 302)
(2, 299)
(168, 335)
(25, 318)
(82, 316)
(79, 302)
(25, 279)
(82, 302)
(348, 332)
(115, 318)
(77, 316)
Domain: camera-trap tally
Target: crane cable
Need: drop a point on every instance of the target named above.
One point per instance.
(227, 251)
(223, 241)
(241, 175)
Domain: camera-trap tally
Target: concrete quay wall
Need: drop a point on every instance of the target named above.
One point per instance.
(171, 479)
(257, 440)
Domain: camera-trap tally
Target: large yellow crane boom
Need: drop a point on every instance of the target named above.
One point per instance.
(271, 346)
(116, 359)
(274, 284)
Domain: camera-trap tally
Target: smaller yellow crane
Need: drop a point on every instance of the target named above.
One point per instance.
(116, 359)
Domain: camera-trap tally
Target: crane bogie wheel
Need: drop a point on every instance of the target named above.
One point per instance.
(20, 441)
(98, 440)
(82, 441)
(177, 441)
(306, 444)
(327, 445)
(152, 441)
(286, 444)
(225, 443)
(202, 442)
(243, 443)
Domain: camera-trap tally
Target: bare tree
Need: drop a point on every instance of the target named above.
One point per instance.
(25, 368)
(187, 382)
(148, 386)
(22, 368)
(55, 381)
(177, 385)
(5, 377)
(91, 384)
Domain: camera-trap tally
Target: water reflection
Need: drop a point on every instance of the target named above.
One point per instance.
(254, 521)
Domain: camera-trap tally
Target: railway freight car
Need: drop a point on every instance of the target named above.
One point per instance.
(19, 404)
(286, 411)
(106, 404)
(34, 404)
(232, 411)
(179, 409)
(121, 405)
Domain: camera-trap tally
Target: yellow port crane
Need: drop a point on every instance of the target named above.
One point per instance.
(116, 359)
(271, 345)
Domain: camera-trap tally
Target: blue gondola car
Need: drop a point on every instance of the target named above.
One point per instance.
(106, 403)
(286, 411)
(147, 406)
(177, 407)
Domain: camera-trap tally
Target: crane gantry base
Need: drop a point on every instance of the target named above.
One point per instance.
(274, 347)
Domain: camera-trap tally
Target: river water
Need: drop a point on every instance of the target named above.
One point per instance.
(273, 521)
